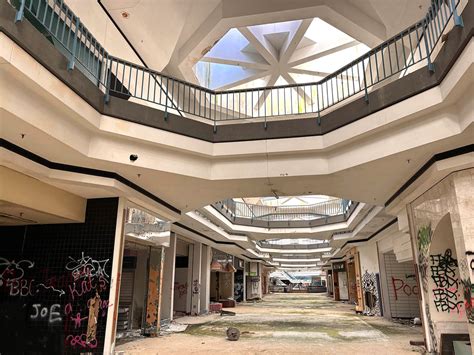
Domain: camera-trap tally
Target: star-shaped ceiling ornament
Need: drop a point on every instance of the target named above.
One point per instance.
(302, 51)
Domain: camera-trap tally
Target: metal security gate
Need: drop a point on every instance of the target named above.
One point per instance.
(402, 287)
(126, 300)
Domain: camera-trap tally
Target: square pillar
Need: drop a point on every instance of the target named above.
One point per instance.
(189, 281)
(115, 280)
(167, 299)
(205, 278)
(153, 303)
(196, 280)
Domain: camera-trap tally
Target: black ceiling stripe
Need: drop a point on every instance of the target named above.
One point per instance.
(121, 33)
(366, 239)
(212, 240)
(82, 170)
(427, 165)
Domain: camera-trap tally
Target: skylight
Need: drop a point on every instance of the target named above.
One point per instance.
(289, 52)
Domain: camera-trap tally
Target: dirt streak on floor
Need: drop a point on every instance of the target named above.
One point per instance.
(285, 324)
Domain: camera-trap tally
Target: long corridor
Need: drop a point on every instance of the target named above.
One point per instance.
(284, 324)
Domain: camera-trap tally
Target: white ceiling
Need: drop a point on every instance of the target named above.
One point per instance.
(170, 33)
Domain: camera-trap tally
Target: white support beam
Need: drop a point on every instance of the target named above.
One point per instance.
(244, 80)
(300, 56)
(240, 63)
(294, 41)
(263, 47)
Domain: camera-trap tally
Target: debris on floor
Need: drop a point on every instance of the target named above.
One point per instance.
(174, 328)
(227, 313)
(233, 334)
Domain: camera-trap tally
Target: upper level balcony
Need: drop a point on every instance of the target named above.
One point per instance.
(241, 212)
(141, 88)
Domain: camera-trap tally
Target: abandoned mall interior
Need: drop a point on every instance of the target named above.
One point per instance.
(236, 177)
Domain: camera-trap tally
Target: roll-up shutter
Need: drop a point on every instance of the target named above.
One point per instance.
(126, 288)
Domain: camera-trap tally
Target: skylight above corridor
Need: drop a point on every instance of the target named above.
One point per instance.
(280, 53)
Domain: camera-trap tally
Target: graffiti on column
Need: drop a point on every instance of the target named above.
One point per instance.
(196, 287)
(424, 241)
(468, 288)
(443, 274)
(88, 279)
(372, 302)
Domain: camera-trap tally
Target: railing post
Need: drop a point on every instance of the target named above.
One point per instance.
(20, 12)
(428, 51)
(107, 71)
(72, 60)
(366, 94)
(317, 100)
(166, 101)
(457, 18)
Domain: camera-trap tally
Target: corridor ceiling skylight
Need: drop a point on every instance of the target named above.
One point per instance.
(304, 200)
(281, 53)
(296, 241)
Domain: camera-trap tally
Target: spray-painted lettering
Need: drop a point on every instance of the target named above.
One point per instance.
(443, 274)
(87, 267)
(50, 313)
(400, 285)
(81, 341)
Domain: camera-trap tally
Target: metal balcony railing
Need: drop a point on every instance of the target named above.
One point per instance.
(324, 209)
(393, 58)
(289, 247)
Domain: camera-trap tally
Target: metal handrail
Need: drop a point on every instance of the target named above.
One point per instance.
(324, 209)
(118, 77)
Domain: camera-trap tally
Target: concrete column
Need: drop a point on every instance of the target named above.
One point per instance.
(205, 278)
(168, 280)
(254, 285)
(112, 314)
(196, 280)
(189, 281)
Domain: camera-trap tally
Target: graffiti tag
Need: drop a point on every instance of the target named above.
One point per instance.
(400, 285)
(50, 313)
(443, 274)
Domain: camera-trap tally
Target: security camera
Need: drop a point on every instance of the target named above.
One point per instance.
(133, 157)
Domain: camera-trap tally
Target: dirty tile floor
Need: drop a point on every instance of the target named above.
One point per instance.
(284, 324)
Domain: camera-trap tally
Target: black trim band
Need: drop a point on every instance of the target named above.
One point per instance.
(82, 170)
(121, 33)
(437, 157)
(366, 239)
(212, 240)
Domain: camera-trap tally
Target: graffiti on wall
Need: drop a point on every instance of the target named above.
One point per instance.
(371, 294)
(181, 289)
(75, 294)
(404, 286)
(468, 287)
(444, 275)
(424, 241)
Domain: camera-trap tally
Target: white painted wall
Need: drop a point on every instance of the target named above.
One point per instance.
(181, 289)
(98, 23)
(368, 258)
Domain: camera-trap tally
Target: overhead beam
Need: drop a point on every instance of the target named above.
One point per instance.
(243, 64)
(244, 80)
(301, 58)
(294, 41)
(266, 51)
